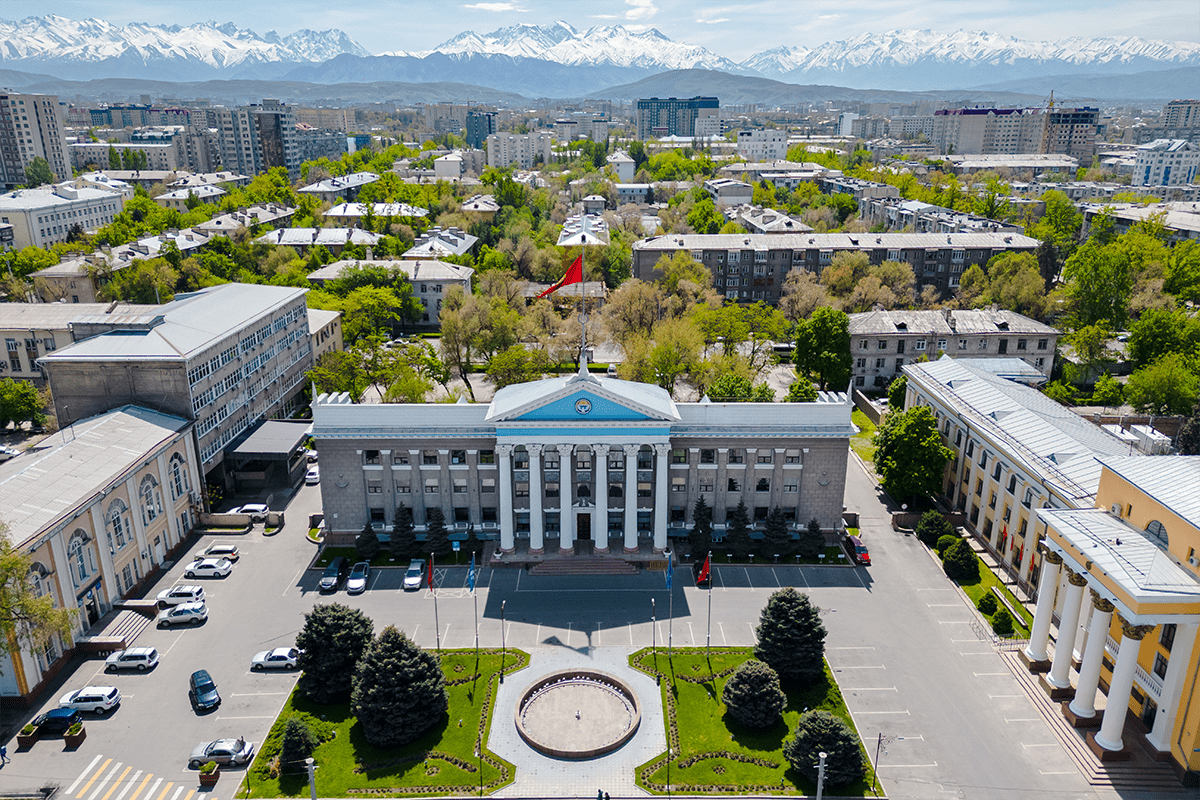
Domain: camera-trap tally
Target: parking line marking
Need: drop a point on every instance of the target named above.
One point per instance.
(631, 634)
(146, 780)
(154, 788)
(103, 783)
(873, 689)
(777, 581)
(859, 647)
(724, 641)
(691, 632)
(294, 580)
(567, 642)
(269, 716)
(189, 794)
(120, 780)
(1022, 719)
(103, 767)
(86, 770)
(905, 712)
(840, 669)
(904, 766)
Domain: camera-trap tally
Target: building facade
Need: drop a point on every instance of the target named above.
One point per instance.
(31, 126)
(524, 149)
(255, 138)
(659, 117)
(480, 125)
(1166, 162)
(580, 457)
(764, 145)
(47, 215)
(431, 280)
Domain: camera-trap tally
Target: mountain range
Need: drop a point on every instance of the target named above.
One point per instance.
(559, 60)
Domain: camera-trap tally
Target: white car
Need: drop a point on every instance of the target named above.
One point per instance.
(183, 614)
(357, 582)
(98, 699)
(228, 551)
(253, 509)
(181, 594)
(7, 452)
(208, 568)
(310, 455)
(138, 658)
(415, 573)
(313, 476)
(279, 658)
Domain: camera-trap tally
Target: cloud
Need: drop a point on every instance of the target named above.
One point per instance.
(712, 21)
(603, 16)
(496, 7)
(641, 9)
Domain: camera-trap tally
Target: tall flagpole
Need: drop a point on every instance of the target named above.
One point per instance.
(583, 304)
(475, 595)
(670, 603)
(437, 628)
(708, 636)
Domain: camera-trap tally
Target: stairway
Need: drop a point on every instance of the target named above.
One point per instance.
(116, 630)
(584, 565)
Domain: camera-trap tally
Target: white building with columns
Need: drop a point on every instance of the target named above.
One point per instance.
(579, 457)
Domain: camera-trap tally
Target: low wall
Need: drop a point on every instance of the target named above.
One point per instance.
(864, 404)
(909, 519)
(274, 519)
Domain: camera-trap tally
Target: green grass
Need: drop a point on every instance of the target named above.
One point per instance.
(860, 443)
(441, 762)
(691, 688)
(988, 579)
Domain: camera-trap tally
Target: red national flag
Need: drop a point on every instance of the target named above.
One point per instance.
(431, 571)
(704, 570)
(574, 275)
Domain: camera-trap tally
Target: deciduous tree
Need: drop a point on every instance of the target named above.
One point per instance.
(823, 348)
(1168, 386)
(909, 456)
(27, 617)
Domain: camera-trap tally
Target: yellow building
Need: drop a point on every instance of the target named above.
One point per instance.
(97, 507)
(1130, 608)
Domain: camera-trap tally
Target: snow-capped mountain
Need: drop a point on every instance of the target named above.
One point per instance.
(96, 48)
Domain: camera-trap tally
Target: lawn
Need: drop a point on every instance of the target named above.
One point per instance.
(988, 579)
(443, 761)
(860, 443)
(713, 754)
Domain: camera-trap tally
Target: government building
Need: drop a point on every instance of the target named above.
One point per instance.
(580, 457)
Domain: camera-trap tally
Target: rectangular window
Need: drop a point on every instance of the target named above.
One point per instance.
(766, 458)
(644, 490)
(375, 486)
(679, 456)
(860, 363)
(1167, 636)
(583, 459)
(734, 485)
(487, 485)
(551, 489)
(882, 344)
(791, 457)
(1021, 344)
(979, 487)
(553, 522)
(487, 514)
(920, 345)
(1160, 665)
(942, 345)
(679, 484)
(983, 344)
(863, 344)
(962, 344)
(431, 486)
(616, 461)
(429, 457)
(737, 457)
(371, 457)
(520, 489)
(403, 488)
(706, 485)
(458, 456)
(487, 456)
(791, 486)
(399, 458)
(520, 459)
(708, 456)
(879, 363)
(1042, 343)
(645, 459)
(460, 485)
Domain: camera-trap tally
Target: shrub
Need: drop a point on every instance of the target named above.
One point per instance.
(209, 768)
(933, 526)
(752, 695)
(987, 604)
(298, 742)
(944, 543)
(28, 729)
(791, 636)
(820, 731)
(960, 562)
(1002, 622)
(399, 690)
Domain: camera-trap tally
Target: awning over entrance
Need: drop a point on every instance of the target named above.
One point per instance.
(272, 439)
(270, 455)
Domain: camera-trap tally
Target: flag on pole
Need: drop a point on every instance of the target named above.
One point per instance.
(670, 572)
(704, 570)
(431, 571)
(574, 275)
(471, 574)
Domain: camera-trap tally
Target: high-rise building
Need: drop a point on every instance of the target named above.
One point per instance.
(1166, 162)
(657, 117)
(252, 139)
(1066, 131)
(524, 150)
(1181, 114)
(31, 126)
(480, 125)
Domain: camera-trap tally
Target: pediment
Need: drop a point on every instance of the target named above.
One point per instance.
(582, 399)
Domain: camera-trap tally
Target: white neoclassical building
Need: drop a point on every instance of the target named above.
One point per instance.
(580, 457)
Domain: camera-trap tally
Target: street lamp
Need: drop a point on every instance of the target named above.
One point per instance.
(654, 641)
(502, 602)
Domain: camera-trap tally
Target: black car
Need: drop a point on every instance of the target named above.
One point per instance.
(202, 691)
(57, 720)
(334, 573)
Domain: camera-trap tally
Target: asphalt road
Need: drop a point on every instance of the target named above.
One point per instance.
(955, 722)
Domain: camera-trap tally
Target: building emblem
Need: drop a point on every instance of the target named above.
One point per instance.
(583, 406)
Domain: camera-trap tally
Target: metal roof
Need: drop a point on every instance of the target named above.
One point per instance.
(426, 270)
(1173, 481)
(844, 241)
(57, 316)
(961, 322)
(274, 437)
(342, 183)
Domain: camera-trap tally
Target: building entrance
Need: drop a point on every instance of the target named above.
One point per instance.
(583, 531)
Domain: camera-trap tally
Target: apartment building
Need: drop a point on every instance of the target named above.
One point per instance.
(31, 126)
(623, 165)
(255, 138)
(1181, 221)
(438, 242)
(46, 215)
(1065, 131)
(225, 357)
(316, 144)
(914, 215)
(98, 154)
(882, 342)
(764, 145)
(750, 267)
(325, 331)
(1181, 114)
(343, 187)
(480, 125)
(525, 149)
(179, 198)
(431, 280)
(728, 192)
(659, 117)
(1166, 162)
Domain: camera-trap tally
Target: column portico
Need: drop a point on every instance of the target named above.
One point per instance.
(1084, 704)
(1036, 652)
(1060, 668)
(600, 523)
(1109, 736)
(631, 535)
(566, 488)
(661, 497)
(504, 451)
(536, 532)
(1164, 725)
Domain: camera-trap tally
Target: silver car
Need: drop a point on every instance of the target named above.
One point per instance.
(222, 751)
(97, 699)
(138, 658)
(357, 582)
(415, 573)
(279, 658)
(183, 614)
(208, 568)
(181, 594)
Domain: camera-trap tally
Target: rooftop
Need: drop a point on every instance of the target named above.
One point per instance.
(835, 241)
(56, 316)
(582, 229)
(420, 269)
(245, 218)
(308, 237)
(1171, 480)
(200, 191)
(51, 196)
(318, 318)
(437, 242)
(378, 209)
(341, 184)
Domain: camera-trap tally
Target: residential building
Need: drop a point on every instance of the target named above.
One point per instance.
(30, 330)
(859, 189)
(325, 331)
(99, 512)
(332, 239)
(178, 199)
(226, 357)
(343, 188)
(846, 120)
(481, 207)
(438, 242)
(47, 215)
(98, 154)
(728, 192)
(634, 193)
(581, 457)
(258, 216)
(31, 126)
(1036, 163)
(315, 144)
(914, 215)
(480, 125)
(757, 219)
(352, 213)
(594, 204)
(525, 149)
(870, 128)
(765, 145)
(750, 267)
(882, 342)
(1065, 131)
(256, 138)
(1166, 162)
(1181, 114)
(431, 280)
(659, 117)
(190, 180)
(1181, 221)
(623, 165)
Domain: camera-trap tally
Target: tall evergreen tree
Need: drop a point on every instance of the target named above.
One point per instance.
(752, 695)
(791, 636)
(776, 536)
(436, 540)
(737, 530)
(700, 536)
(812, 541)
(404, 541)
(821, 732)
(399, 690)
(366, 544)
(332, 639)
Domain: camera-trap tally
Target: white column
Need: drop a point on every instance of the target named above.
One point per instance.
(1081, 635)
(506, 497)
(662, 497)
(1068, 626)
(600, 518)
(566, 488)
(1181, 654)
(1062, 594)
(1084, 704)
(536, 543)
(112, 587)
(631, 536)
(1030, 547)
(1109, 736)
(1039, 636)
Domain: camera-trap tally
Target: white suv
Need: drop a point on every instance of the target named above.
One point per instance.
(139, 658)
(97, 699)
(181, 594)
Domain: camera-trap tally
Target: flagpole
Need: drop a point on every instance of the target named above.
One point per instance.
(475, 595)
(437, 627)
(670, 604)
(708, 636)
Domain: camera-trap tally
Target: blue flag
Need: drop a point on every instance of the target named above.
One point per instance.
(471, 574)
(670, 572)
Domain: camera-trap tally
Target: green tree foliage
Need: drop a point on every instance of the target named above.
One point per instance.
(366, 544)
(1188, 441)
(403, 544)
(1168, 386)
(1099, 282)
(1061, 392)
(436, 539)
(812, 541)
(777, 539)
(19, 402)
(332, 639)
(704, 217)
(738, 389)
(38, 172)
(399, 690)
(896, 392)
(1002, 623)
(823, 348)
(32, 620)
(909, 455)
(821, 732)
(791, 636)
(801, 391)
(987, 604)
(340, 371)
(932, 527)
(700, 536)
(945, 542)
(753, 696)
(960, 562)
(1159, 331)
(297, 744)
(1108, 391)
(737, 530)
(517, 364)
(1182, 271)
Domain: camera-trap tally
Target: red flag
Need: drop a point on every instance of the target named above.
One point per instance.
(431, 571)
(574, 275)
(704, 570)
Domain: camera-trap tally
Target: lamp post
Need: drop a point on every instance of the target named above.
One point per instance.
(654, 641)
(821, 774)
(502, 602)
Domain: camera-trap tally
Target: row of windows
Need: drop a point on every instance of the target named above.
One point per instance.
(963, 344)
(583, 458)
(551, 488)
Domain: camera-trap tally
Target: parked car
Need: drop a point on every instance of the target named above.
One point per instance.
(138, 658)
(414, 574)
(208, 568)
(331, 579)
(228, 551)
(7, 452)
(858, 551)
(57, 720)
(202, 691)
(253, 509)
(97, 699)
(181, 594)
(222, 751)
(357, 581)
(183, 614)
(310, 455)
(279, 658)
(313, 476)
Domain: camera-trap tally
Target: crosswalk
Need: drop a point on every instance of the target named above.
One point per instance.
(109, 779)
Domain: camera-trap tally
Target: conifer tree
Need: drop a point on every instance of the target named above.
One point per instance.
(399, 690)
(791, 636)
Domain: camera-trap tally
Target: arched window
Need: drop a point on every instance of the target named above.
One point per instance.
(583, 490)
(180, 482)
(151, 499)
(39, 579)
(117, 525)
(1157, 531)
(78, 555)
(615, 490)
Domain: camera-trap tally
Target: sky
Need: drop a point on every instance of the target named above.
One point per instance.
(735, 30)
